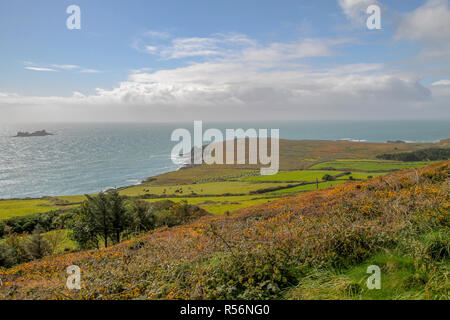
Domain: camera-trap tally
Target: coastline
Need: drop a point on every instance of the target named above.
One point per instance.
(184, 166)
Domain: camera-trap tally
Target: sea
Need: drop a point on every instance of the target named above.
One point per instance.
(83, 158)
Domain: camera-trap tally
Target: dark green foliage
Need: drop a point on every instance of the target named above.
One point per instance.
(120, 217)
(7, 255)
(37, 247)
(143, 217)
(437, 245)
(107, 218)
(47, 221)
(177, 213)
(103, 216)
(431, 154)
(260, 275)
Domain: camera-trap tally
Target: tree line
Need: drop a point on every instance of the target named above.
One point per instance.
(430, 154)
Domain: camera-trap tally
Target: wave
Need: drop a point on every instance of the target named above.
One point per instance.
(353, 140)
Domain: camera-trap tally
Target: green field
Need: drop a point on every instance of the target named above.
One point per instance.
(368, 165)
(224, 195)
(298, 175)
(74, 199)
(15, 208)
(226, 189)
(220, 205)
(362, 175)
(306, 187)
(212, 188)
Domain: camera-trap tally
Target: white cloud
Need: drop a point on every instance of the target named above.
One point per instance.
(355, 10)
(224, 89)
(178, 48)
(151, 49)
(57, 67)
(157, 34)
(40, 69)
(248, 80)
(444, 82)
(90, 71)
(242, 48)
(428, 25)
(66, 66)
(429, 22)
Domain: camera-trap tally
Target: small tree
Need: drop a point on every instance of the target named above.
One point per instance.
(143, 218)
(55, 239)
(103, 216)
(84, 228)
(120, 218)
(14, 247)
(37, 247)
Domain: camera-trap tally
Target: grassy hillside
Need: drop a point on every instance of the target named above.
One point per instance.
(312, 245)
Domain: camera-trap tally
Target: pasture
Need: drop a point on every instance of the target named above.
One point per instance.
(368, 165)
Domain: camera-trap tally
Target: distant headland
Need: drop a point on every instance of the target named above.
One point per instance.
(41, 133)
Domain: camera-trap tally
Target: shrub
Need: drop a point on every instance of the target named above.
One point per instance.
(437, 245)
(253, 275)
(328, 177)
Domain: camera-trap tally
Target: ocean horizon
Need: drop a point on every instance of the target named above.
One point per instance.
(83, 158)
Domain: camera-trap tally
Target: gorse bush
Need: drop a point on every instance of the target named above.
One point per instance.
(255, 275)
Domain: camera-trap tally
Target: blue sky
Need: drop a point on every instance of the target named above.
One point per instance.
(154, 59)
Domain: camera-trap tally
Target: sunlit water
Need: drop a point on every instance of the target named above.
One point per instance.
(88, 158)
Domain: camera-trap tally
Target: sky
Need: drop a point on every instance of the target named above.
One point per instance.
(159, 61)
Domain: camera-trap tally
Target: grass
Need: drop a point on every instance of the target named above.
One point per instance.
(199, 174)
(402, 278)
(368, 165)
(298, 175)
(15, 208)
(73, 199)
(212, 188)
(213, 185)
(307, 187)
(220, 205)
(362, 175)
